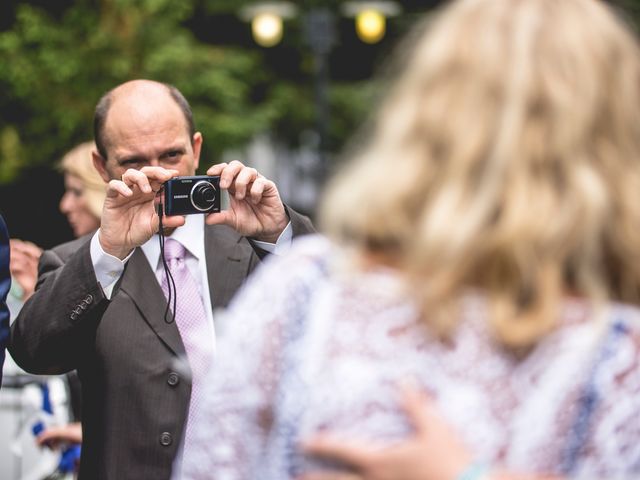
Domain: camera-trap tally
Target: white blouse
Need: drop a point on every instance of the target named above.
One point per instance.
(311, 346)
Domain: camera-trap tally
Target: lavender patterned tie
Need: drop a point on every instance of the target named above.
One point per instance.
(191, 320)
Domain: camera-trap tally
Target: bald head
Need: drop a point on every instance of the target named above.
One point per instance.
(133, 94)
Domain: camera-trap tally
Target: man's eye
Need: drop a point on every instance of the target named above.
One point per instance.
(137, 164)
(172, 157)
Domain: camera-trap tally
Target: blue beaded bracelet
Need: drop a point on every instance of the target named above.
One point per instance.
(475, 471)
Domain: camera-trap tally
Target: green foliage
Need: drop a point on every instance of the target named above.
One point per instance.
(56, 67)
(55, 70)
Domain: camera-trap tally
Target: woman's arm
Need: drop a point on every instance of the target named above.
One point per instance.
(434, 452)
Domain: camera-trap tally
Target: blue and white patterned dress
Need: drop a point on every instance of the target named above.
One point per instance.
(312, 345)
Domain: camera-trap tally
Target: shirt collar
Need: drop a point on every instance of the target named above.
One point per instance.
(190, 235)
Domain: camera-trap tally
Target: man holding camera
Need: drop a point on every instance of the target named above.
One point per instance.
(101, 302)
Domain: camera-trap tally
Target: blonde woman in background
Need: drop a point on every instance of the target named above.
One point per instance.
(84, 190)
(81, 204)
(484, 247)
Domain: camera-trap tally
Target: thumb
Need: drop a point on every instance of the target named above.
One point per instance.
(418, 406)
(224, 217)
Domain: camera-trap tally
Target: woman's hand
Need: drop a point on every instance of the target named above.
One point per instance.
(434, 451)
(53, 437)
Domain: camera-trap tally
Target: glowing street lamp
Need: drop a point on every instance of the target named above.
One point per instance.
(371, 18)
(267, 29)
(370, 26)
(266, 21)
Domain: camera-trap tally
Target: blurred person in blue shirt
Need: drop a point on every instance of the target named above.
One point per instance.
(5, 283)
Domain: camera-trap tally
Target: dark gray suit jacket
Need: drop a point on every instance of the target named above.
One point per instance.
(135, 399)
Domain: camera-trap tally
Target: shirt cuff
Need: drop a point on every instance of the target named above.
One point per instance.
(282, 245)
(107, 268)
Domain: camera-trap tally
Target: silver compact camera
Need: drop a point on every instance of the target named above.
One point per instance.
(196, 194)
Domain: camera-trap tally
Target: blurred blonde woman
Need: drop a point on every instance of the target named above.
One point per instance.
(484, 247)
(84, 190)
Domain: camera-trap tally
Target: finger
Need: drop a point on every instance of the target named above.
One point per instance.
(229, 173)
(351, 454)
(116, 188)
(419, 407)
(27, 257)
(18, 256)
(32, 250)
(50, 444)
(20, 263)
(24, 247)
(243, 180)
(224, 217)
(171, 221)
(133, 177)
(158, 175)
(16, 244)
(258, 188)
(49, 438)
(17, 269)
(217, 169)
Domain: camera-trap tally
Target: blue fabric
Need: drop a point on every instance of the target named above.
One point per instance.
(5, 283)
(589, 400)
(70, 459)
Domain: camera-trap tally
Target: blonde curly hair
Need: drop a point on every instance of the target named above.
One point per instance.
(505, 158)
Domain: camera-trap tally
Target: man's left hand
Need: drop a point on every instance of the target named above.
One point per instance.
(255, 208)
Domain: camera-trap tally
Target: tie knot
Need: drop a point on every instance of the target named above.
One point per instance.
(173, 250)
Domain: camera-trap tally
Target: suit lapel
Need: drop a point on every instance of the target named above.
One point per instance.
(140, 284)
(227, 263)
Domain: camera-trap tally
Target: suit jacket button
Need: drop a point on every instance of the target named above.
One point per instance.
(166, 439)
(173, 379)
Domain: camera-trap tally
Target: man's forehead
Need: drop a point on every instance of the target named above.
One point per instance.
(135, 122)
(141, 105)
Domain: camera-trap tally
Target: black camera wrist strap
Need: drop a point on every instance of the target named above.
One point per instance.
(169, 314)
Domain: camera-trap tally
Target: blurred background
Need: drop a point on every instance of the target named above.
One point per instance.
(278, 85)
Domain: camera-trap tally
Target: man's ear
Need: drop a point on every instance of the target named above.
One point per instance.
(197, 146)
(100, 164)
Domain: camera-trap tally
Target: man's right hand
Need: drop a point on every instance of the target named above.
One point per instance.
(129, 216)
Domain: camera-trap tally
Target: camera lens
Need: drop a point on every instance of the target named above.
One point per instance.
(203, 195)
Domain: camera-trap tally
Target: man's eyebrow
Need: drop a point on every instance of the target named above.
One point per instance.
(130, 158)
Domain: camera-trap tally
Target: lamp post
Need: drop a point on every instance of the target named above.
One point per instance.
(320, 31)
(321, 36)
